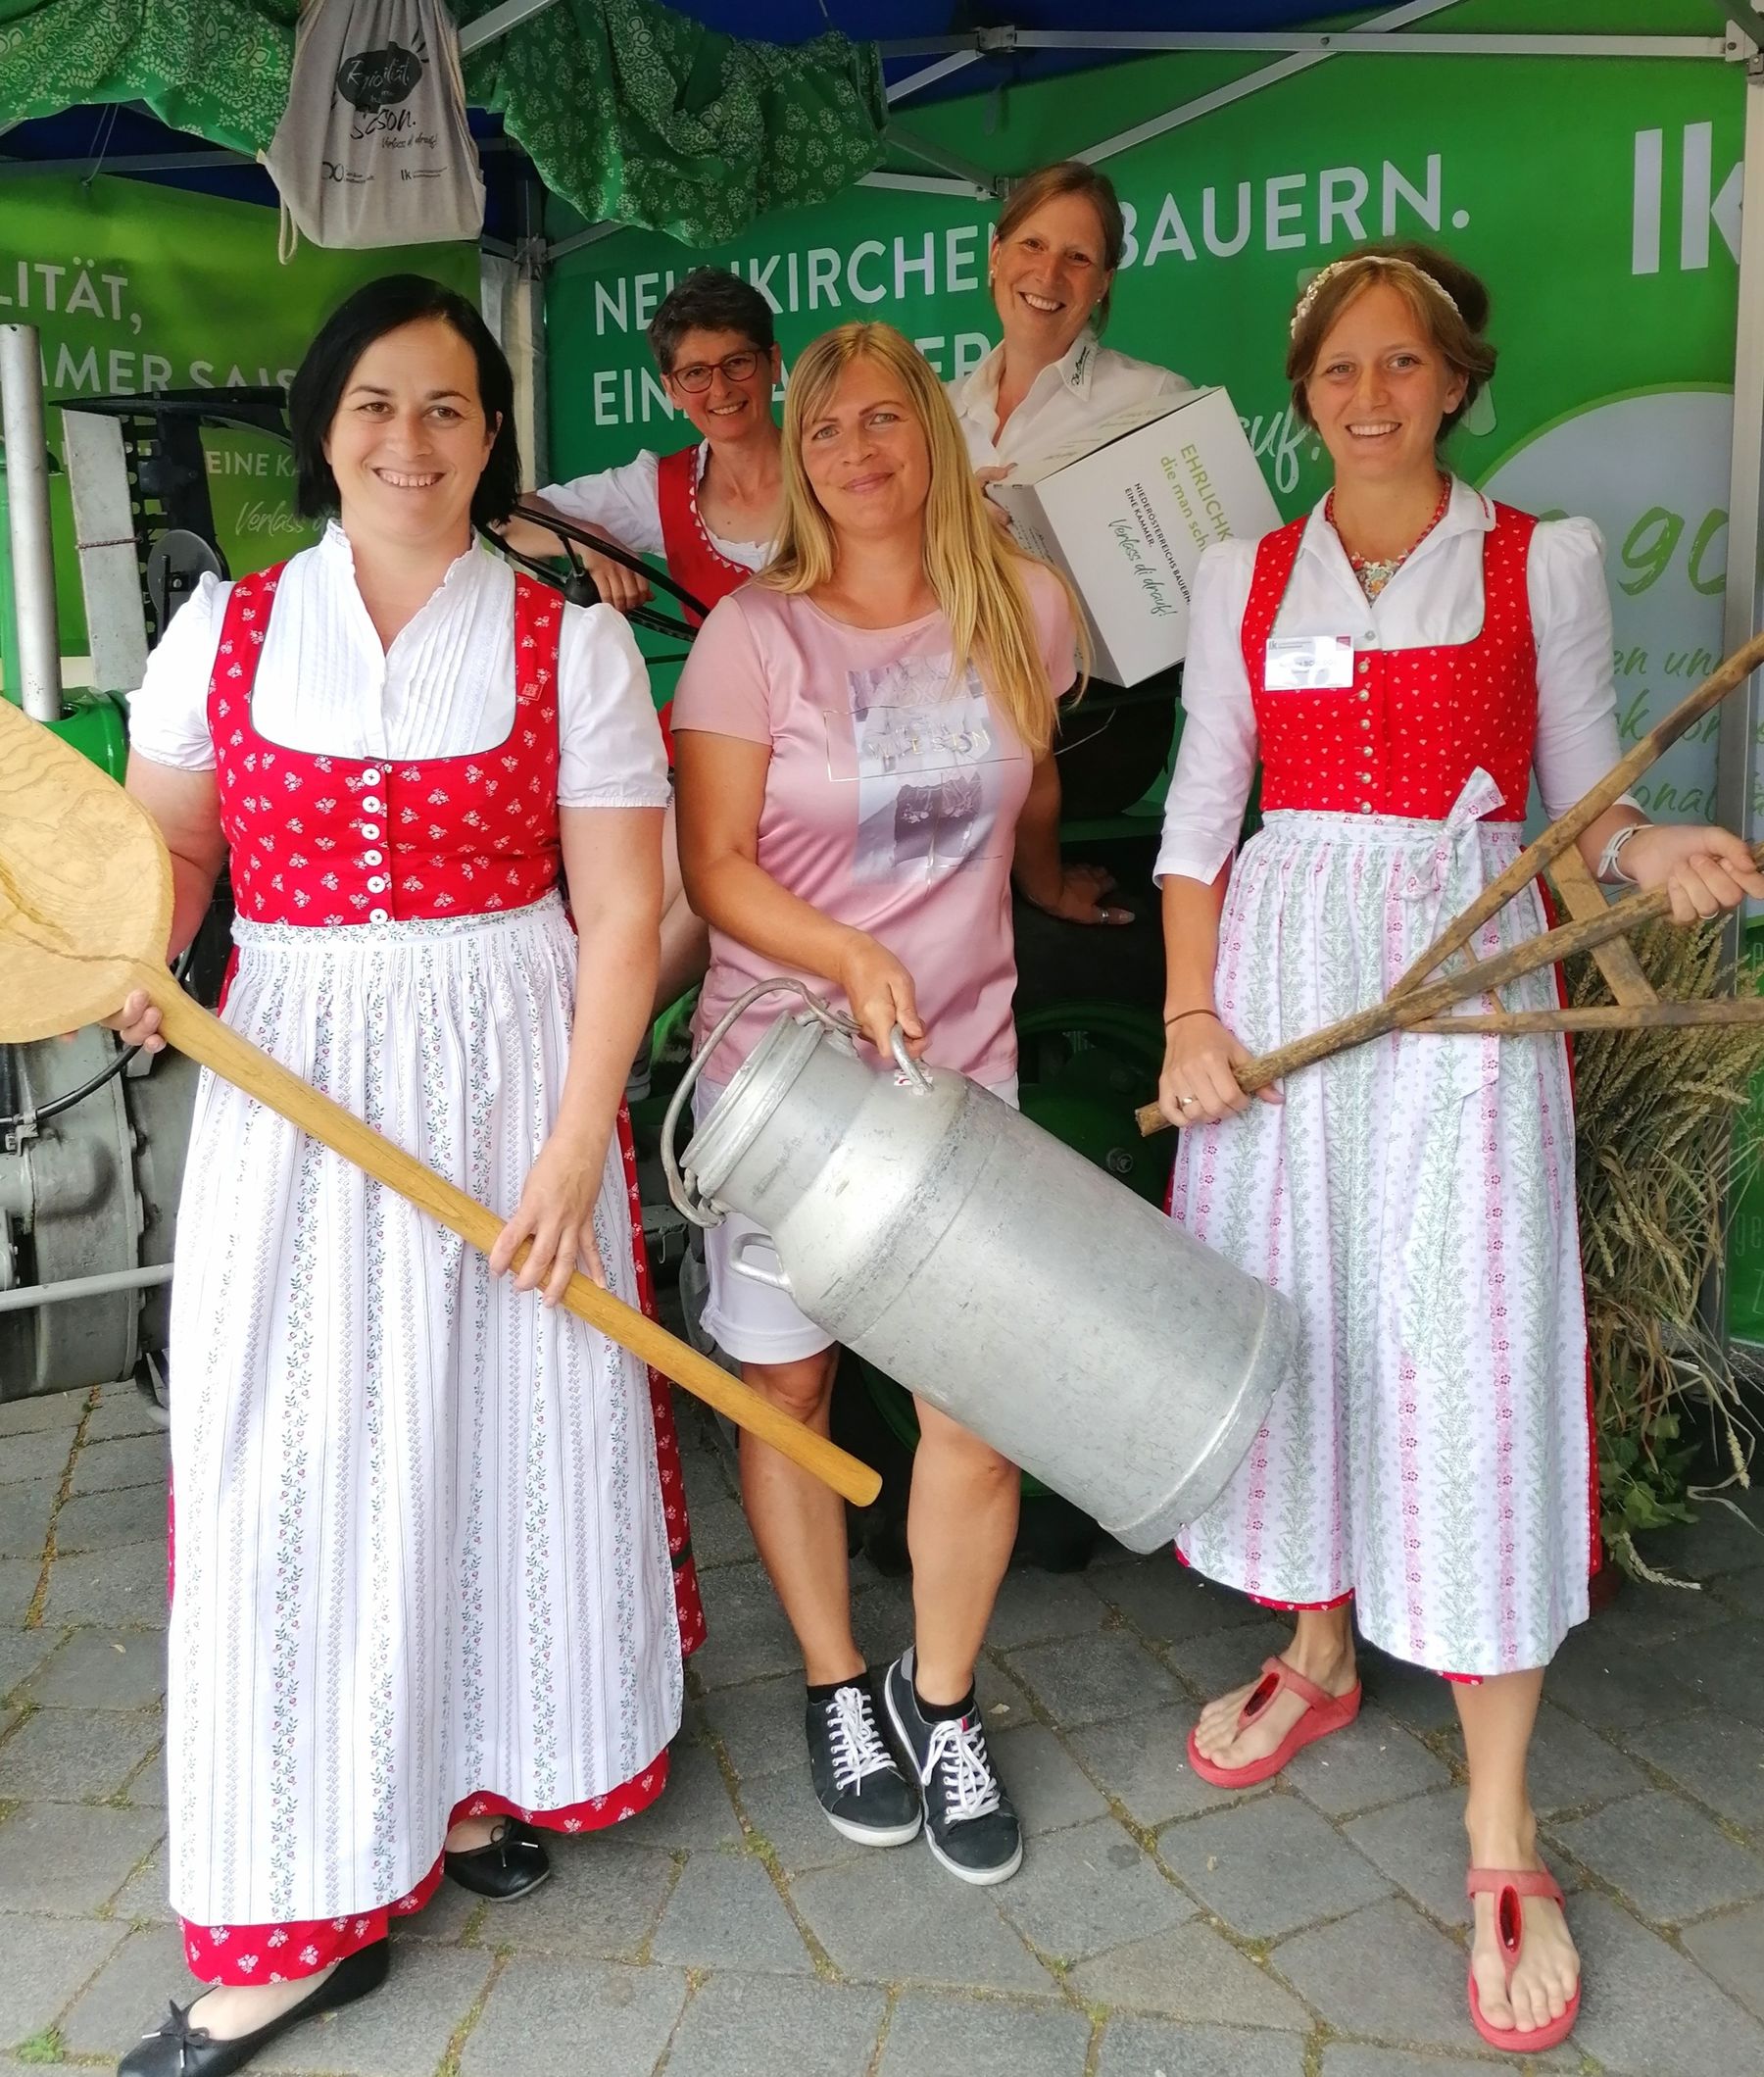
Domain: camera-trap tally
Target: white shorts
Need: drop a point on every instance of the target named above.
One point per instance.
(755, 1322)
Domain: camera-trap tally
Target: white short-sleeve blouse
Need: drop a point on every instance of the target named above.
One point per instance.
(625, 503)
(445, 688)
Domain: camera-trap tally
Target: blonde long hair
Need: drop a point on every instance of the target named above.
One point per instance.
(974, 566)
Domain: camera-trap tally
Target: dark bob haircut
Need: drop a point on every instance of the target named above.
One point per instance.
(322, 377)
(710, 299)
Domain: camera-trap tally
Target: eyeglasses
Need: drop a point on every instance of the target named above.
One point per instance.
(736, 368)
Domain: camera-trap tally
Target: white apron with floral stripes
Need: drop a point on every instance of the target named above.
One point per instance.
(421, 1550)
(1428, 1452)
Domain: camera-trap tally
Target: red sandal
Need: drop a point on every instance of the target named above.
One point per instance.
(1507, 1886)
(1323, 1713)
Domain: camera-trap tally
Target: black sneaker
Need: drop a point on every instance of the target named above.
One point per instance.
(856, 1782)
(971, 1824)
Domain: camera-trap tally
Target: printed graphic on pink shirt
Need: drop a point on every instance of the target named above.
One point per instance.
(917, 751)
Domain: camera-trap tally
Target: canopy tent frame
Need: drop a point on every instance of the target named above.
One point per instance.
(1331, 43)
(514, 275)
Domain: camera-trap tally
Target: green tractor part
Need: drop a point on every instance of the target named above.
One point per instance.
(96, 725)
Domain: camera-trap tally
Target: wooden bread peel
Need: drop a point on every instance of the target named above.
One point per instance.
(86, 913)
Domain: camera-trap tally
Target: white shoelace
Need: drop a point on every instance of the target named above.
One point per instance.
(973, 1788)
(858, 1748)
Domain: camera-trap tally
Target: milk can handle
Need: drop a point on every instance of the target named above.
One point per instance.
(918, 1075)
(738, 1262)
(682, 1184)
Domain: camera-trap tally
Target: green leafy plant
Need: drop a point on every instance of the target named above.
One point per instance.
(1657, 1156)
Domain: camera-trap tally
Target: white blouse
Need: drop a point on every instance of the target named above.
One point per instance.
(1435, 599)
(1088, 383)
(445, 688)
(625, 504)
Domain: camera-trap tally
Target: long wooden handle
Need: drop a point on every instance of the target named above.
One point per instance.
(1419, 1004)
(205, 1038)
(1568, 828)
(1603, 1016)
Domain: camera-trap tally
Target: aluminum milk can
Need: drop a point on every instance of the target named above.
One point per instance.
(932, 1229)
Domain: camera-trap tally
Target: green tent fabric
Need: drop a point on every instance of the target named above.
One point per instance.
(636, 115)
(631, 112)
(217, 68)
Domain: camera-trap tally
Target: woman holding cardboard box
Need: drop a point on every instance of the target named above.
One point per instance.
(1055, 251)
(1051, 269)
(1402, 660)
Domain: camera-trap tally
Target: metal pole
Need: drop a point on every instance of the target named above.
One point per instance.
(1394, 18)
(1742, 609)
(29, 1297)
(1368, 41)
(1734, 784)
(498, 23)
(983, 181)
(914, 82)
(28, 495)
(592, 235)
(932, 184)
(532, 262)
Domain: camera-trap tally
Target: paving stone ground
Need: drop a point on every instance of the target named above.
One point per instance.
(1315, 1928)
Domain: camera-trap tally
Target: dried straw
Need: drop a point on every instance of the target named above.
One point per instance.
(1656, 1117)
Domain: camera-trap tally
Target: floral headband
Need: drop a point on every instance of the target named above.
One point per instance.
(1314, 286)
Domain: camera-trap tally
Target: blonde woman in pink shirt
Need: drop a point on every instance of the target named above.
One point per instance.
(864, 740)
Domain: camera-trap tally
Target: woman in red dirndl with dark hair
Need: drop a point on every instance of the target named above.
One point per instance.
(430, 1583)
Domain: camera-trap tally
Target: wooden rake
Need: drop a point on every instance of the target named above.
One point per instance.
(85, 911)
(1602, 929)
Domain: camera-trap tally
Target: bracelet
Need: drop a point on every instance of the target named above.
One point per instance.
(1181, 1014)
(1609, 867)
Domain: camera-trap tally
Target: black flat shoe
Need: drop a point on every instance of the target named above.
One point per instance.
(512, 1864)
(180, 2050)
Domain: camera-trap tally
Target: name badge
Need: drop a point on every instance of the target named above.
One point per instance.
(1309, 663)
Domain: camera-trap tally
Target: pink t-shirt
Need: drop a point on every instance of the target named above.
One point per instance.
(891, 803)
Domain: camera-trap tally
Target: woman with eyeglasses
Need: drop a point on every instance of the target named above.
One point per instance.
(709, 510)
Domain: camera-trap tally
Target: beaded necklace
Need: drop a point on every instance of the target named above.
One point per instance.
(1374, 574)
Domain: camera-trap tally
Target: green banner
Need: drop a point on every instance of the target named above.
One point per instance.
(137, 287)
(1598, 197)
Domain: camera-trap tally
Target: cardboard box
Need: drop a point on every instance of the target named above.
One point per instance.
(1126, 510)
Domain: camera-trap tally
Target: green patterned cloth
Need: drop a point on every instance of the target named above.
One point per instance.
(217, 68)
(630, 111)
(635, 115)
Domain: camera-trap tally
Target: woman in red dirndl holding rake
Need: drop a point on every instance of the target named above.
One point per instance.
(1403, 659)
(425, 1596)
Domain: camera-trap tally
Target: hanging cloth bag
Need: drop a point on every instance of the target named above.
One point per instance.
(373, 148)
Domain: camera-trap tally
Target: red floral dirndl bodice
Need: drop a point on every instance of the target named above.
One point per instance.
(693, 557)
(1405, 736)
(328, 841)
